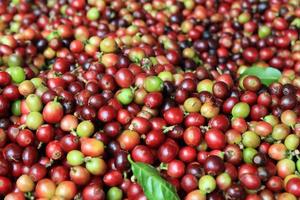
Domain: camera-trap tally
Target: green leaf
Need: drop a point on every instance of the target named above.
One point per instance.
(267, 75)
(154, 186)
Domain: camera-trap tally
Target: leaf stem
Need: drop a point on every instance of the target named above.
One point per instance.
(129, 159)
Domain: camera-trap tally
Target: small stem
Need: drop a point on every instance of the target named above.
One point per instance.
(130, 127)
(50, 163)
(293, 127)
(222, 154)
(125, 175)
(99, 55)
(55, 99)
(219, 70)
(296, 153)
(133, 89)
(136, 60)
(133, 179)
(28, 195)
(85, 42)
(22, 127)
(56, 74)
(241, 146)
(204, 128)
(168, 128)
(87, 159)
(146, 63)
(163, 166)
(262, 187)
(186, 113)
(78, 196)
(39, 145)
(143, 136)
(290, 154)
(73, 132)
(129, 159)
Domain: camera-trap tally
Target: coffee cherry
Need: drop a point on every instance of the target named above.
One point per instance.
(251, 83)
(241, 110)
(207, 184)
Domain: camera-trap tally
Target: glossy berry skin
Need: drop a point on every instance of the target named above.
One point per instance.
(250, 54)
(229, 104)
(113, 178)
(5, 166)
(4, 106)
(45, 133)
(192, 136)
(93, 191)
(124, 78)
(187, 154)
(189, 182)
(155, 138)
(91, 147)
(215, 139)
(59, 174)
(6, 185)
(128, 139)
(293, 186)
(168, 151)
(37, 172)
(25, 138)
(66, 189)
(275, 184)
(220, 122)
(143, 154)
(106, 113)
(30, 155)
(220, 90)
(4, 78)
(250, 181)
(12, 152)
(241, 110)
(79, 175)
(140, 125)
(153, 99)
(194, 119)
(176, 169)
(236, 192)
(153, 84)
(173, 116)
(53, 112)
(45, 188)
(15, 195)
(214, 165)
(54, 150)
(69, 142)
(61, 65)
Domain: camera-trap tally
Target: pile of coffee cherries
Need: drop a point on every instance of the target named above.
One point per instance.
(87, 84)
